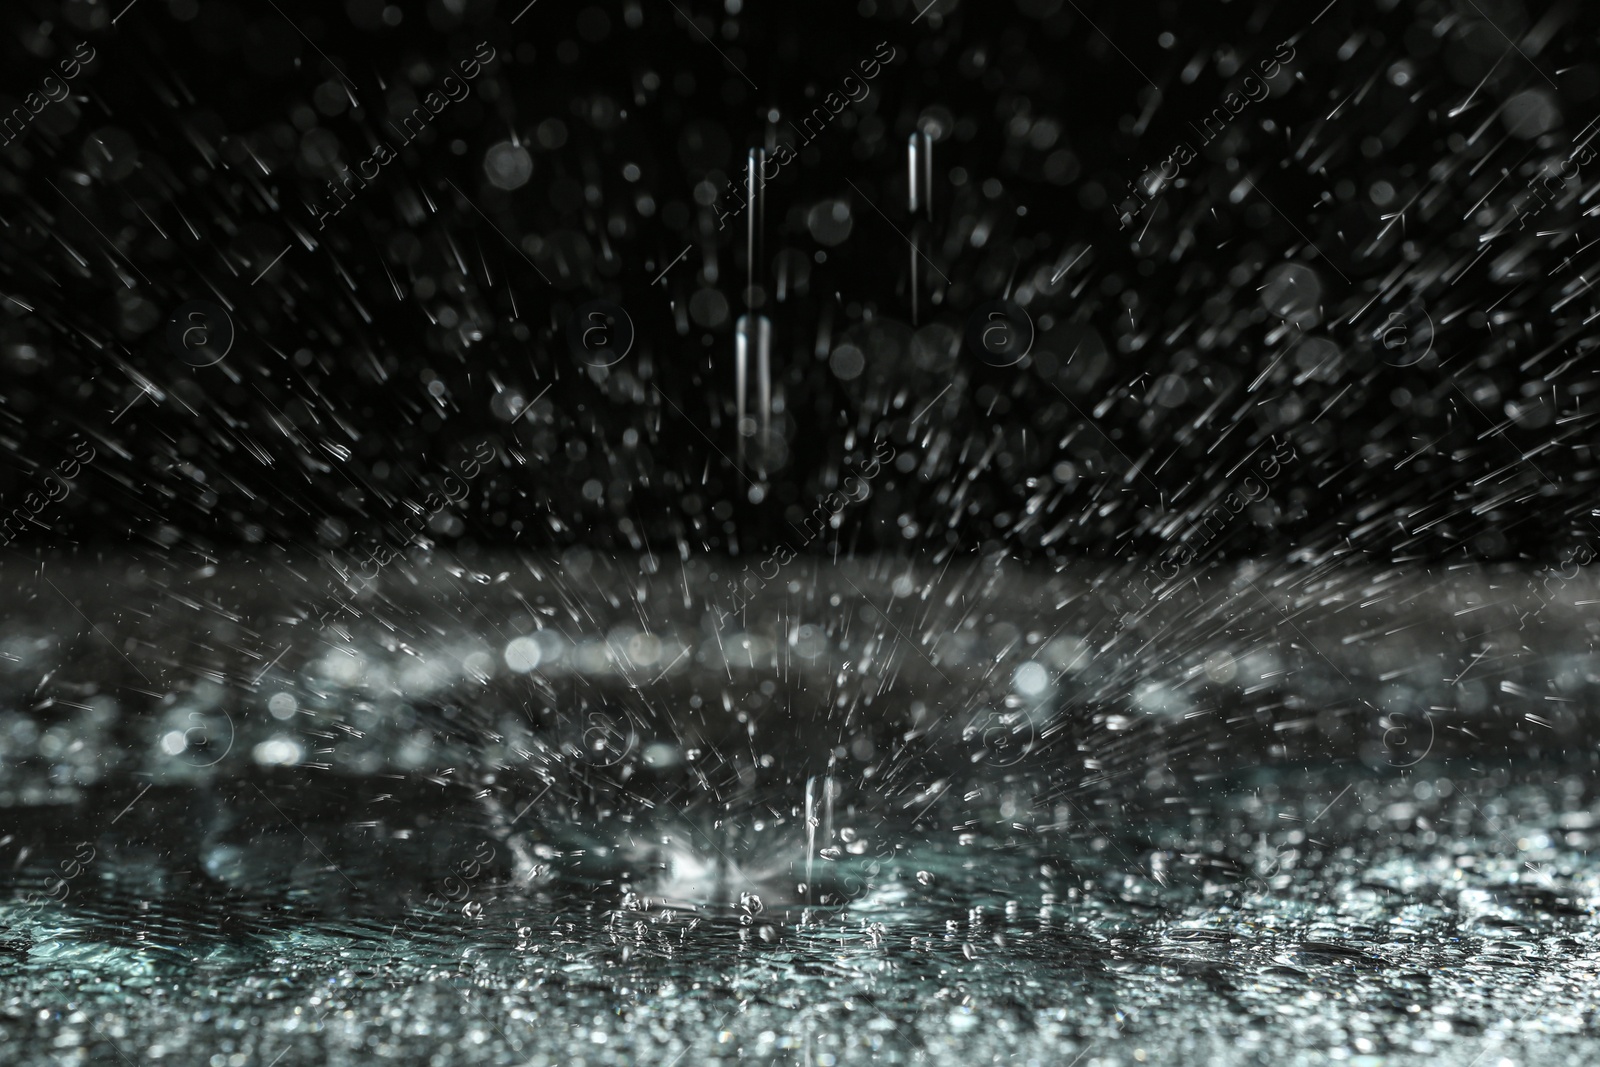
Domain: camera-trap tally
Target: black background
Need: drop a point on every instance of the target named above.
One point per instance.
(184, 126)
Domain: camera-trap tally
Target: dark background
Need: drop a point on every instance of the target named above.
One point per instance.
(185, 161)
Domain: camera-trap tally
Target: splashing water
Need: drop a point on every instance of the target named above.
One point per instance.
(1140, 611)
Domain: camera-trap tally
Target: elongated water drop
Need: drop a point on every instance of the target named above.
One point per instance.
(753, 343)
(919, 197)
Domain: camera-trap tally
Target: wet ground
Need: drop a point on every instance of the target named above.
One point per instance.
(844, 826)
(1442, 915)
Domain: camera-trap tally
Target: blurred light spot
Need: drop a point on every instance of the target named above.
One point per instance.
(591, 657)
(522, 654)
(847, 362)
(508, 166)
(662, 755)
(829, 222)
(1220, 667)
(282, 706)
(644, 649)
(1030, 679)
(808, 642)
(708, 308)
(342, 668)
(1292, 291)
(1154, 698)
(278, 752)
(1530, 113)
(1170, 391)
(1069, 654)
